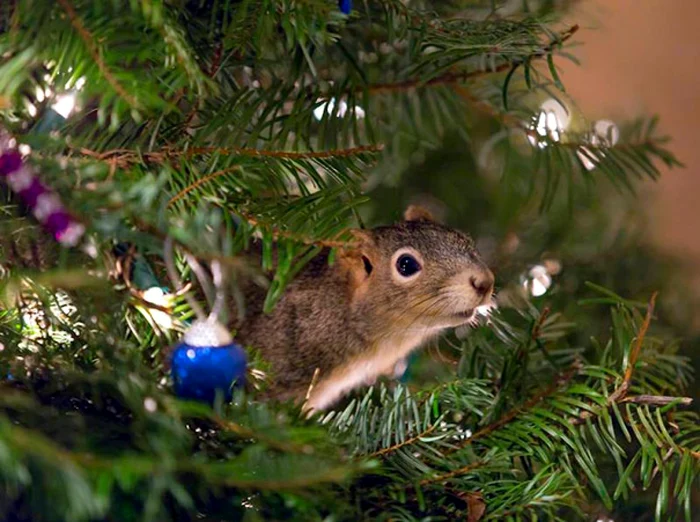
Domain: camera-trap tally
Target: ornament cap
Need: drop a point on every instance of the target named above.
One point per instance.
(207, 333)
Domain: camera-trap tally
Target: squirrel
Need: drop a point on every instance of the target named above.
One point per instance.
(341, 326)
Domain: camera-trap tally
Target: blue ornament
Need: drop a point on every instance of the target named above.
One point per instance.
(207, 360)
(345, 6)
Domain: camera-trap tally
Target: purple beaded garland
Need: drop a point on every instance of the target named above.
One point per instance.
(10, 161)
(43, 203)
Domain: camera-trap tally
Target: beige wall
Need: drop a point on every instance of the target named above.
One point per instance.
(642, 57)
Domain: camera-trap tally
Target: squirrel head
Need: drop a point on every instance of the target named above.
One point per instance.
(415, 275)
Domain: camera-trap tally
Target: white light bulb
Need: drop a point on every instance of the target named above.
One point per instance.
(31, 109)
(321, 109)
(538, 281)
(585, 155)
(607, 131)
(157, 296)
(538, 288)
(65, 103)
(559, 115)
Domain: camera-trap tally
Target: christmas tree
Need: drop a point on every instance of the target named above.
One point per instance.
(146, 144)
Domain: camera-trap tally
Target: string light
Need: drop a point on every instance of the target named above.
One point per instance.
(538, 281)
(150, 405)
(551, 122)
(65, 104)
(329, 107)
(605, 133)
(155, 295)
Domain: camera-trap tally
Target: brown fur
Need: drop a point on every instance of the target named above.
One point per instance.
(353, 326)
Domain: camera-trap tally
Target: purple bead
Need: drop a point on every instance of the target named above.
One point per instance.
(58, 222)
(32, 193)
(10, 161)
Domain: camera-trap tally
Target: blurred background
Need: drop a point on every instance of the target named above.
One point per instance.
(640, 57)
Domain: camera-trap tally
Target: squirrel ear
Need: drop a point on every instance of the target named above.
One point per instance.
(358, 258)
(361, 236)
(417, 213)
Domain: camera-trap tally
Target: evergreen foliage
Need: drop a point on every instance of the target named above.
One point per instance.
(212, 123)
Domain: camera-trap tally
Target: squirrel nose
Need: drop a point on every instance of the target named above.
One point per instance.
(482, 283)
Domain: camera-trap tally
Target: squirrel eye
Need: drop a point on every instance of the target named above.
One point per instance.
(407, 265)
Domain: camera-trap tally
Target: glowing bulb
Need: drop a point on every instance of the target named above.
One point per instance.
(557, 113)
(552, 120)
(606, 131)
(321, 109)
(150, 405)
(329, 107)
(31, 109)
(157, 296)
(586, 157)
(65, 103)
(538, 281)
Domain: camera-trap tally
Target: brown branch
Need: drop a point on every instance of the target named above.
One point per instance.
(216, 59)
(400, 445)
(634, 354)
(201, 182)
(692, 453)
(657, 400)
(452, 78)
(621, 391)
(459, 471)
(125, 157)
(538, 325)
(259, 153)
(94, 51)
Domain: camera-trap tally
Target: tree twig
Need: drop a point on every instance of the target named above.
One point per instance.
(400, 445)
(634, 354)
(452, 78)
(657, 400)
(94, 51)
(619, 394)
(126, 157)
(201, 182)
(561, 380)
(454, 473)
(538, 325)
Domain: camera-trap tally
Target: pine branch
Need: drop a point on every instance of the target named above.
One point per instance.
(94, 51)
(561, 380)
(407, 442)
(125, 158)
(454, 473)
(193, 186)
(621, 391)
(452, 78)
